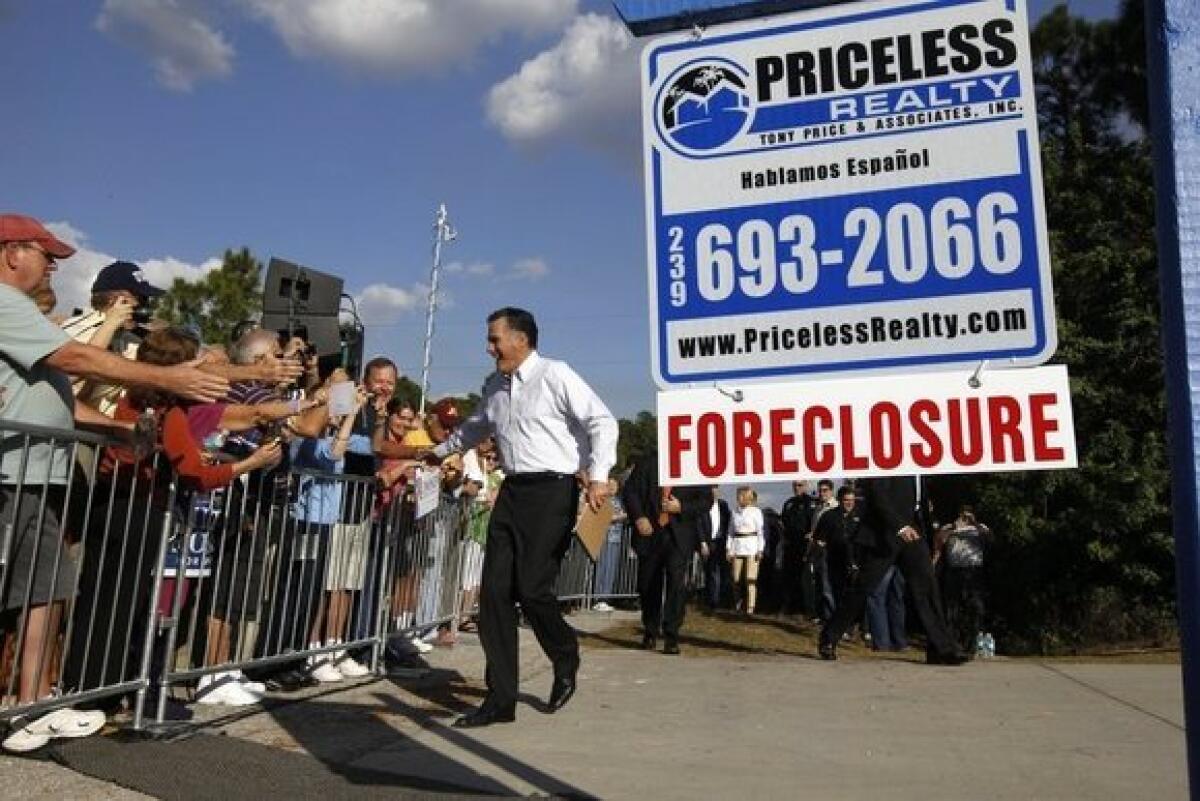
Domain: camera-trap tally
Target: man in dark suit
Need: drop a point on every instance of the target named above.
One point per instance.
(890, 532)
(717, 580)
(836, 534)
(797, 516)
(670, 525)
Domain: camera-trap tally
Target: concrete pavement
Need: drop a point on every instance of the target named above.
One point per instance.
(644, 725)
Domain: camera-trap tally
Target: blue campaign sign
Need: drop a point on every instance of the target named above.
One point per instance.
(850, 189)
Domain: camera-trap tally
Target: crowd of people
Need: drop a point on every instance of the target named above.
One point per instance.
(286, 479)
(287, 482)
(816, 558)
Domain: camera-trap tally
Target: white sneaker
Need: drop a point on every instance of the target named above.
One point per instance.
(224, 690)
(349, 667)
(59, 723)
(601, 607)
(421, 646)
(323, 670)
(256, 687)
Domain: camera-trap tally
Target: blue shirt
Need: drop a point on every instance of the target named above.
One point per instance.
(320, 500)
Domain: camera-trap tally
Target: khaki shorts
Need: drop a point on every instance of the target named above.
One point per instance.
(347, 555)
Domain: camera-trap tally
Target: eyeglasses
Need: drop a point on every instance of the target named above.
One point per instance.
(34, 246)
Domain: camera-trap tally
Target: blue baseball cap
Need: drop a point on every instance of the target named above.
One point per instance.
(125, 275)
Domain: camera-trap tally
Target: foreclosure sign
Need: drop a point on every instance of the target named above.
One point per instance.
(869, 426)
(845, 190)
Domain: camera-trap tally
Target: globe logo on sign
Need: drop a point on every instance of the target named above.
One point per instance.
(704, 106)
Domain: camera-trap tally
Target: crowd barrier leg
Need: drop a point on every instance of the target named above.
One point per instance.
(152, 624)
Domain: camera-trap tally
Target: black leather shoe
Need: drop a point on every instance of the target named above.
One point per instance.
(649, 642)
(486, 715)
(827, 651)
(671, 647)
(952, 659)
(560, 692)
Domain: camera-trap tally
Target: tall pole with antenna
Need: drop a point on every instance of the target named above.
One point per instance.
(443, 233)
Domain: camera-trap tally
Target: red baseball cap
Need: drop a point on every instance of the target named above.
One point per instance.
(19, 228)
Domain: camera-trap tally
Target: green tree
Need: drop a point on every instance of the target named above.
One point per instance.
(638, 437)
(1086, 556)
(225, 297)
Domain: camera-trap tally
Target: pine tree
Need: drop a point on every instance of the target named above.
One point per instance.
(224, 298)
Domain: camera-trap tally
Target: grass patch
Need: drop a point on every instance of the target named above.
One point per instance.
(708, 635)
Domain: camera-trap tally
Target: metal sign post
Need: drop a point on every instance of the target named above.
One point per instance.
(1173, 49)
(442, 234)
(850, 189)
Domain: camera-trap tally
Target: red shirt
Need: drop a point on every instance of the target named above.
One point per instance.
(179, 446)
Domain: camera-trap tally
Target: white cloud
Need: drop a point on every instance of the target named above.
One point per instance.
(528, 270)
(403, 36)
(532, 269)
(477, 269)
(183, 48)
(73, 280)
(586, 87)
(384, 304)
(163, 272)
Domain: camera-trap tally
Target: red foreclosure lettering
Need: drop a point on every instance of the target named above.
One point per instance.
(781, 441)
(676, 443)
(1042, 426)
(850, 459)
(710, 436)
(961, 452)
(747, 442)
(920, 415)
(887, 449)
(1004, 422)
(822, 461)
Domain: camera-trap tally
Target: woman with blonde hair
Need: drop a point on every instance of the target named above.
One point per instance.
(746, 546)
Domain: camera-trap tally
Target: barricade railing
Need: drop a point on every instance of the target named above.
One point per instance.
(78, 555)
(432, 569)
(274, 567)
(116, 582)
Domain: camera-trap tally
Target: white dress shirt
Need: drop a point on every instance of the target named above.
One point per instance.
(714, 515)
(546, 420)
(748, 538)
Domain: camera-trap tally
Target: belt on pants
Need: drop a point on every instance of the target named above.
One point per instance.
(523, 479)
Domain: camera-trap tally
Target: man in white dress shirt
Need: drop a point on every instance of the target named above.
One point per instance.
(549, 427)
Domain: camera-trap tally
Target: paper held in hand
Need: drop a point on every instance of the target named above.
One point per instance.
(592, 528)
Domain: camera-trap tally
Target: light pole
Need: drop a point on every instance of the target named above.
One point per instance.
(442, 234)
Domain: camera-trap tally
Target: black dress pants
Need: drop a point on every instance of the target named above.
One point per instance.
(718, 580)
(529, 531)
(662, 564)
(912, 559)
(115, 584)
(962, 598)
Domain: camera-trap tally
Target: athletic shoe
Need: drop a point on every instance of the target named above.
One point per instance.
(59, 723)
(256, 687)
(323, 670)
(420, 645)
(223, 689)
(349, 667)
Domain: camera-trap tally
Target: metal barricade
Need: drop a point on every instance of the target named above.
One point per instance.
(275, 566)
(614, 574)
(429, 564)
(115, 582)
(78, 571)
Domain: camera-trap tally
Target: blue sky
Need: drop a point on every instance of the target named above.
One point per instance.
(164, 131)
